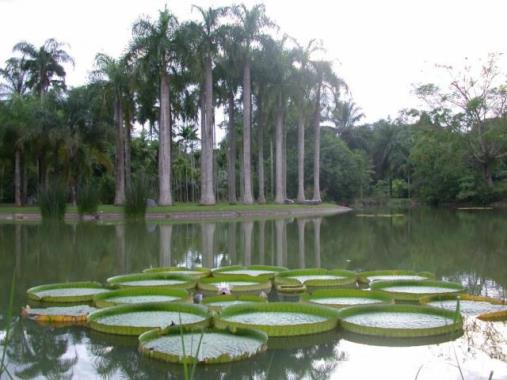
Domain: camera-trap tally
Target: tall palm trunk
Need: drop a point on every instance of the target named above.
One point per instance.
(207, 187)
(207, 243)
(247, 165)
(164, 154)
(262, 239)
(260, 143)
(128, 140)
(231, 157)
(119, 197)
(165, 236)
(301, 158)
(284, 157)
(316, 241)
(247, 228)
(17, 177)
(316, 154)
(301, 241)
(279, 196)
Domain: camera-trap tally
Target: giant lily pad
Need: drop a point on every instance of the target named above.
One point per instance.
(345, 297)
(140, 295)
(76, 314)
(279, 318)
(485, 308)
(236, 284)
(404, 290)
(153, 280)
(393, 275)
(66, 292)
(218, 303)
(299, 280)
(399, 320)
(250, 270)
(207, 346)
(138, 318)
(181, 271)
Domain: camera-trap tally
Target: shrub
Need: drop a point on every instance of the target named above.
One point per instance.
(88, 199)
(135, 198)
(53, 200)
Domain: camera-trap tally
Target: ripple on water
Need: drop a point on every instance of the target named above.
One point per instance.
(399, 320)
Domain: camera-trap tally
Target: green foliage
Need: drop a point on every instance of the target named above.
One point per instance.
(135, 198)
(53, 200)
(88, 199)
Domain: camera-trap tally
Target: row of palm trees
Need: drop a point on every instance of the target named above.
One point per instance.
(176, 73)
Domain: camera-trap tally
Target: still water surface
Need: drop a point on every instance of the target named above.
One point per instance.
(467, 247)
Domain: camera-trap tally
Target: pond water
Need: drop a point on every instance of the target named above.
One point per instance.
(466, 247)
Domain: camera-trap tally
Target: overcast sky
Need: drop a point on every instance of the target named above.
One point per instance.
(380, 47)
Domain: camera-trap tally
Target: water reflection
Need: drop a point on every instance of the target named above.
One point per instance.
(469, 248)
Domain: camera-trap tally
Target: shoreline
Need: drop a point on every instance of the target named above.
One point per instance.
(172, 213)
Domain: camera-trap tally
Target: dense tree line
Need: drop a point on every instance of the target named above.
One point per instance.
(291, 130)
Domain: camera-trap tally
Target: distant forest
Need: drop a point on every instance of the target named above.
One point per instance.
(292, 130)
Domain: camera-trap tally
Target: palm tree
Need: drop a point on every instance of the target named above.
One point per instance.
(208, 37)
(14, 78)
(153, 45)
(115, 76)
(303, 87)
(252, 23)
(44, 65)
(346, 115)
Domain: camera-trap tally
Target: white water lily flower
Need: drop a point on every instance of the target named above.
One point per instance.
(224, 288)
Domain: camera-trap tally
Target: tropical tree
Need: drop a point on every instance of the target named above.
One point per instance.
(252, 23)
(153, 46)
(14, 78)
(114, 75)
(44, 65)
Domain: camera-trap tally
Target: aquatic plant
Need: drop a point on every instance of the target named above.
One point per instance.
(152, 280)
(236, 283)
(215, 346)
(190, 272)
(345, 297)
(217, 303)
(66, 292)
(249, 270)
(59, 315)
(381, 320)
(140, 295)
(392, 274)
(298, 280)
(52, 200)
(306, 318)
(406, 290)
(134, 319)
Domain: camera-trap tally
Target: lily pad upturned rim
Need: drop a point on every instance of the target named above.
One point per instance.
(492, 316)
(330, 293)
(223, 271)
(94, 318)
(283, 279)
(231, 297)
(405, 296)
(363, 276)
(453, 327)
(202, 272)
(150, 335)
(116, 281)
(329, 323)
(103, 300)
(261, 284)
(57, 319)
(31, 293)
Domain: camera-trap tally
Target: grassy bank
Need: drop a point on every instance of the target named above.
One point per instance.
(179, 207)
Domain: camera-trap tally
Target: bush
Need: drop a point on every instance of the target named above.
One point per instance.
(53, 200)
(88, 199)
(135, 198)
